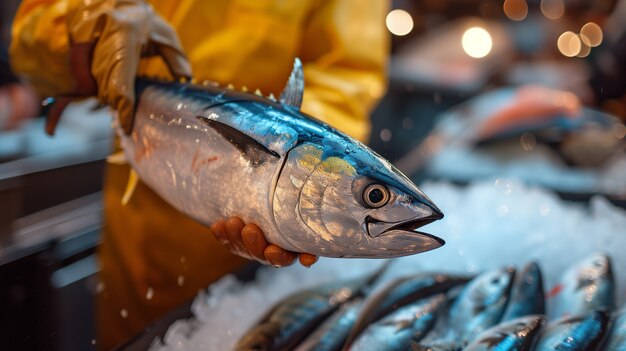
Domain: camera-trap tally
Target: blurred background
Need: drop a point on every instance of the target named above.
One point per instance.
(531, 90)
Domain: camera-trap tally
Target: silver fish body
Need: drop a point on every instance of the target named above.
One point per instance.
(480, 305)
(579, 333)
(401, 292)
(295, 317)
(401, 328)
(215, 153)
(436, 346)
(616, 340)
(518, 334)
(332, 334)
(527, 297)
(586, 287)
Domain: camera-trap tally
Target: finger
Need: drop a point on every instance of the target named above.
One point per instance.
(114, 67)
(279, 257)
(254, 240)
(219, 231)
(169, 48)
(307, 260)
(54, 114)
(234, 226)
(81, 56)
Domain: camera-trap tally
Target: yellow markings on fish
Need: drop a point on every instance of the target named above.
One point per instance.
(310, 156)
(336, 167)
(133, 179)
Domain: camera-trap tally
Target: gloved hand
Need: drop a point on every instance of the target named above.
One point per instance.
(108, 38)
(247, 240)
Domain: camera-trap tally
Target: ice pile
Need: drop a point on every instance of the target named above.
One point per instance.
(487, 225)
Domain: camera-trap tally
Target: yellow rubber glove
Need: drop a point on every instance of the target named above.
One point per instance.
(121, 32)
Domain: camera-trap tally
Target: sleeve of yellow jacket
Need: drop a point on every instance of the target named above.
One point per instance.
(39, 45)
(344, 49)
(343, 44)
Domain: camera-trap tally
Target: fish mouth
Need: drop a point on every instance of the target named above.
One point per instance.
(376, 228)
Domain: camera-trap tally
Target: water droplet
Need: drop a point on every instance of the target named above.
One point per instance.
(93, 341)
(544, 210)
(124, 313)
(181, 280)
(183, 259)
(150, 294)
(100, 287)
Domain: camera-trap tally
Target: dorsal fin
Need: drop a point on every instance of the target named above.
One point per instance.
(251, 149)
(292, 93)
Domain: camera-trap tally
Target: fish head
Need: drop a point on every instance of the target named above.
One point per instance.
(491, 287)
(355, 207)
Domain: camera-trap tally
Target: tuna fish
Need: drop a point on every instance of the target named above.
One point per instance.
(214, 153)
(480, 305)
(579, 333)
(401, 328)
(617, 336)
(401, 292)
(295, 317)
(515, 335)
(586, 287)
(332, 334)
(527, 296)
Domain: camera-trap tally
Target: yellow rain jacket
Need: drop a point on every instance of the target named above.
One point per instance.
(152, 257)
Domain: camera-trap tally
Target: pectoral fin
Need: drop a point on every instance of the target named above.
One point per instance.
(251, 149)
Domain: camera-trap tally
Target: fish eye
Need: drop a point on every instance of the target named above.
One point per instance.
(375, 195)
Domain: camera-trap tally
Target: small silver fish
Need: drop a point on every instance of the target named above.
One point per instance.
(214, 153)
(436, 346)
(617, 336)
(527, 297)
(518, 334)
(399, 329)
(586, 287)
(580, 333)
(400, 292)
(480, 305)
(295, 317)
(332, 334)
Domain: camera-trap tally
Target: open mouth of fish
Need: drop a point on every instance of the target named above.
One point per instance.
(376, 228)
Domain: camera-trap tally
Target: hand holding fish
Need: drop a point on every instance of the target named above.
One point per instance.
(108, 39)
(248, 240)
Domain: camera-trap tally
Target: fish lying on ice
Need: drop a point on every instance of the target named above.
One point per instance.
(400, 292)
(213, 153)
(515, 335)
(480, 305)
(527, 297)
(398, 330)
(295, 317)
(332, 334)
(585, 287)
(616, 340)
(575, 333)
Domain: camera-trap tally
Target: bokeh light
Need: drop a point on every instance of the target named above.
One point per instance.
(569, 44)
(477, 42)
(399, 22)
(585, 48)
(552, 9)
(592, 34)
(515, 10)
